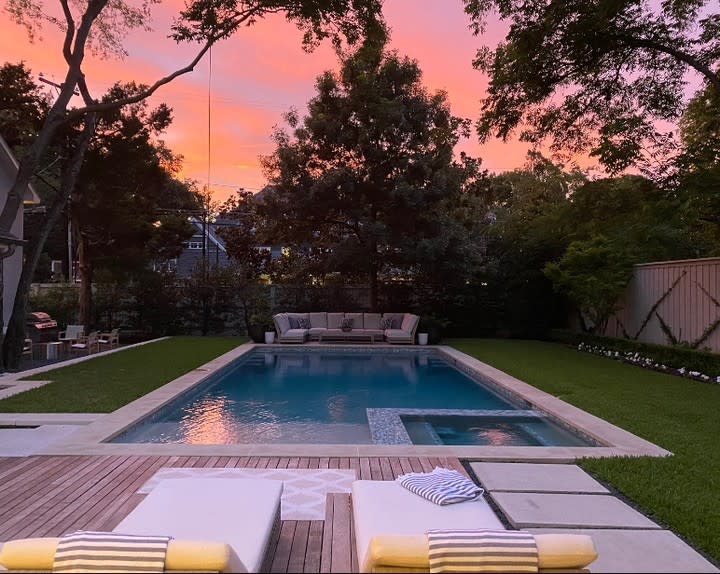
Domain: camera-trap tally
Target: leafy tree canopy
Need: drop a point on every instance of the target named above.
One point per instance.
(593, 273)
(23, 105)
(366, 174)
(596, 75)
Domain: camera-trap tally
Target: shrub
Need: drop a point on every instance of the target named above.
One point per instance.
(673, 357)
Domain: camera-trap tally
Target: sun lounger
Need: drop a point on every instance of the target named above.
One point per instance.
(235, 516)
(390, 525)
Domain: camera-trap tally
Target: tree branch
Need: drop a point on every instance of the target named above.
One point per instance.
(689, 59)
(70, 32)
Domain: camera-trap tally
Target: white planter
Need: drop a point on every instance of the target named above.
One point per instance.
(422, 338)
(269, 337)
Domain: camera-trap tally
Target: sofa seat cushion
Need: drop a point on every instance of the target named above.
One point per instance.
(396, 334)
(295, 334)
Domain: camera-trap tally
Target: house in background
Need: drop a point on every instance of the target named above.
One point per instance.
(215, 252)
(11, 266)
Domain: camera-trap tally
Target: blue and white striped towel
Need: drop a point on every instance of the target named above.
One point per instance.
(441, 486)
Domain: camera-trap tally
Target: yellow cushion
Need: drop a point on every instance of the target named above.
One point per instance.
(411, 551)
(29, 554)
(38, 554)
(565, 550)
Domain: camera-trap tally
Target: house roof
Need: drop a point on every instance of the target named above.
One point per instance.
(211, 231)
(10, 165)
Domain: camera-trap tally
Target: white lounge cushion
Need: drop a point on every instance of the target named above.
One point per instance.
(385, 507)
(239, 512)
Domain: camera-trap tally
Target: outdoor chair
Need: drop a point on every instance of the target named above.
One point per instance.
(109, 340)
(202, 515)
(87, 344)
(71, 334)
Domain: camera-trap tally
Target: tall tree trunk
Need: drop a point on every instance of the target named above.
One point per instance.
(13, 342)
(85, 266)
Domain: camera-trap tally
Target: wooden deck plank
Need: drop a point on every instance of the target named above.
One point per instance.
(57, 495)
(97, 492)
(314, 546)
(326, 552)
(385, 469)
(341, 543)
(375, 472)
(364, 469)
(282, 551)
(296, 563)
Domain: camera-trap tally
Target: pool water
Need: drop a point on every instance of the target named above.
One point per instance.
(488, 431)
(319, 396)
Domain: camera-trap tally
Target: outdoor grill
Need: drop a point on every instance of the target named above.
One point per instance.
(41, 328)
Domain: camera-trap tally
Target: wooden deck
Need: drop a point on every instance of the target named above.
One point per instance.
(53, 495)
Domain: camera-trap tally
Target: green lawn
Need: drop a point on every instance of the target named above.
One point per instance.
(680, 415)
(106, 383)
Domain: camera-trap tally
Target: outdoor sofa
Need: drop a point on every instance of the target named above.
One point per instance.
(391, 523)
(301, 327)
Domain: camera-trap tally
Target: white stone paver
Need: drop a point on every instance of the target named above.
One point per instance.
(640, 551)
(538, 510)
(29, 441)
(528, 477)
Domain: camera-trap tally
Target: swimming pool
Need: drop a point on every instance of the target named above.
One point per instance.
(325, 396)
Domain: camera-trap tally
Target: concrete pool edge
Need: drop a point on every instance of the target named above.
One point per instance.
(90, 439)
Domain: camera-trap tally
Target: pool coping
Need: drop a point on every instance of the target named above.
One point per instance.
(89, 439)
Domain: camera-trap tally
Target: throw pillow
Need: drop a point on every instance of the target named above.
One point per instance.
(294, 324)
(387, 323)
(303, 323)
(346, 324)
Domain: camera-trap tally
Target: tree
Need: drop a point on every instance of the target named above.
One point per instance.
(123, 189)
(594, 274)
(362, 177)
(23, 105)
(101, 26)
(597, 75)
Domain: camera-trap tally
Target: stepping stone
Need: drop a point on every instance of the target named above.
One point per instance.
(640, 551)
(540, 510)
(528, 477)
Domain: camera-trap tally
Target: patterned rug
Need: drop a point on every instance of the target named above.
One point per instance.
(304, 489)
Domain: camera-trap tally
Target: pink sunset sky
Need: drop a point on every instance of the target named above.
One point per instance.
(261, 73)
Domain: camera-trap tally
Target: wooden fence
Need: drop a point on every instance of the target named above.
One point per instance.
(672, 302)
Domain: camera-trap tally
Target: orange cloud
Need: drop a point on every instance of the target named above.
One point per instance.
(261, 73)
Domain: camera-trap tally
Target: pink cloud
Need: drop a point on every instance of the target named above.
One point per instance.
(261, 72)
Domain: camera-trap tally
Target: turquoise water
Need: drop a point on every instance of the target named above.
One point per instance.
(313, 397)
